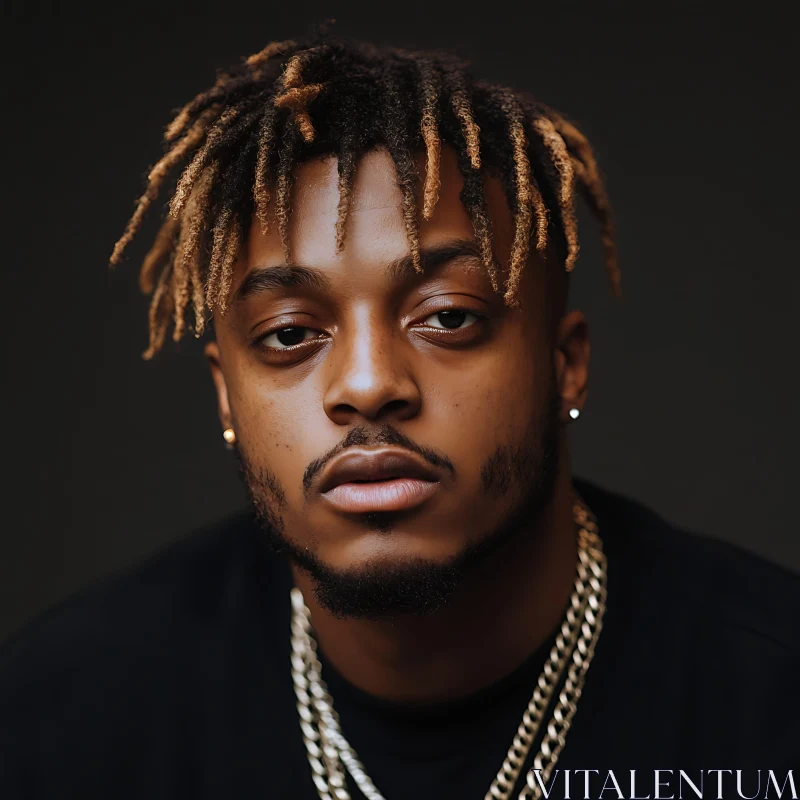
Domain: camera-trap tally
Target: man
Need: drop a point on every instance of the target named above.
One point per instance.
(382, 245)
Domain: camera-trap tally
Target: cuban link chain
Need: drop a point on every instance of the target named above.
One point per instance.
(329, 753)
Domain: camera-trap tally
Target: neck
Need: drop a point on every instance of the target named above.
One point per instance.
(500, 613)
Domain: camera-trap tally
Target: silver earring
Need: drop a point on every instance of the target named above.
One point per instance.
(574, 413)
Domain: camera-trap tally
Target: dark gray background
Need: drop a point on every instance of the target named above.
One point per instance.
(693, 112)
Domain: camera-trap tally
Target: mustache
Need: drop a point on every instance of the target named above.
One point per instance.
(362, 436)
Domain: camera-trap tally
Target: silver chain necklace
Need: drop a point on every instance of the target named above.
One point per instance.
(330, 754)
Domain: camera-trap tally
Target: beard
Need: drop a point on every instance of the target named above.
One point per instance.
(526, 471)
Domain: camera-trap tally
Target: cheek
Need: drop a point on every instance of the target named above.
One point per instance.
(273, 424)
(486, 403)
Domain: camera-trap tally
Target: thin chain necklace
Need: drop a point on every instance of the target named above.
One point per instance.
(330, 754)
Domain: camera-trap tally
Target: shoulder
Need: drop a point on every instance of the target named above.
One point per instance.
(123, 625)
(173, 578)
(724, 585)
(709, 632)
(94, 686)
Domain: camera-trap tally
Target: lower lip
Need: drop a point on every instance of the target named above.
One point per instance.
(397, 494)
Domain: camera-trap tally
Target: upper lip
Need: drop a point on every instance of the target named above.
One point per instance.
(359, 464)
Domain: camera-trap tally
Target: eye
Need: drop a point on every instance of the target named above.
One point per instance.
(287, 337)
(451, 319)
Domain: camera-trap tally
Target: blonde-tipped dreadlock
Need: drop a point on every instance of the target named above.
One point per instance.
(160, 311)
(266, 139)
(563, 164)
(220, 236)
(187, 250)
(241, 140)
(297, 99)
(529, 200)
(159, 254)
(232, 245)
(430, 134)
(269, 52)
(297, 96)
(460, 102)
(591, 183)
(200, 161)
(157, 176)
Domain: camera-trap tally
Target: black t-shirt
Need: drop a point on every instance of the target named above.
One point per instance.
(171, 680)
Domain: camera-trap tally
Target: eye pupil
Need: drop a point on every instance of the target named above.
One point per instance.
(290, 336)
(452, 318)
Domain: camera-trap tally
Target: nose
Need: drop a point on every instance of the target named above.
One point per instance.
(370, 377)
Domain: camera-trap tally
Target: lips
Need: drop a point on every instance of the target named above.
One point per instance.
(377, 480)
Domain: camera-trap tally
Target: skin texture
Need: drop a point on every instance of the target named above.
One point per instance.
(376, 356)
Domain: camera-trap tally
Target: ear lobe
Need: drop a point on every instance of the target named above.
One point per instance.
(212, 354)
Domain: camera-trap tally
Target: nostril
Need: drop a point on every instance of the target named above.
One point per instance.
(381, 405)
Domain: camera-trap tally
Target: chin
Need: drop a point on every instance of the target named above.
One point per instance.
(379, 575)
(385, 586)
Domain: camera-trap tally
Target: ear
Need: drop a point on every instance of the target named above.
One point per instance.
(572, 362)
(211, 352)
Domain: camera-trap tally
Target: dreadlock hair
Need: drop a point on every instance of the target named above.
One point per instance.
(294, 100)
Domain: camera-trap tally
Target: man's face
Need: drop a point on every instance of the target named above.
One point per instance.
(355, 356)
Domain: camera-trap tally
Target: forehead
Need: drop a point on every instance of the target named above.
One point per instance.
(375, 229)
(374, 184)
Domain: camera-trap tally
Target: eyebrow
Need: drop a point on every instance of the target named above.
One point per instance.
(401, 270)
